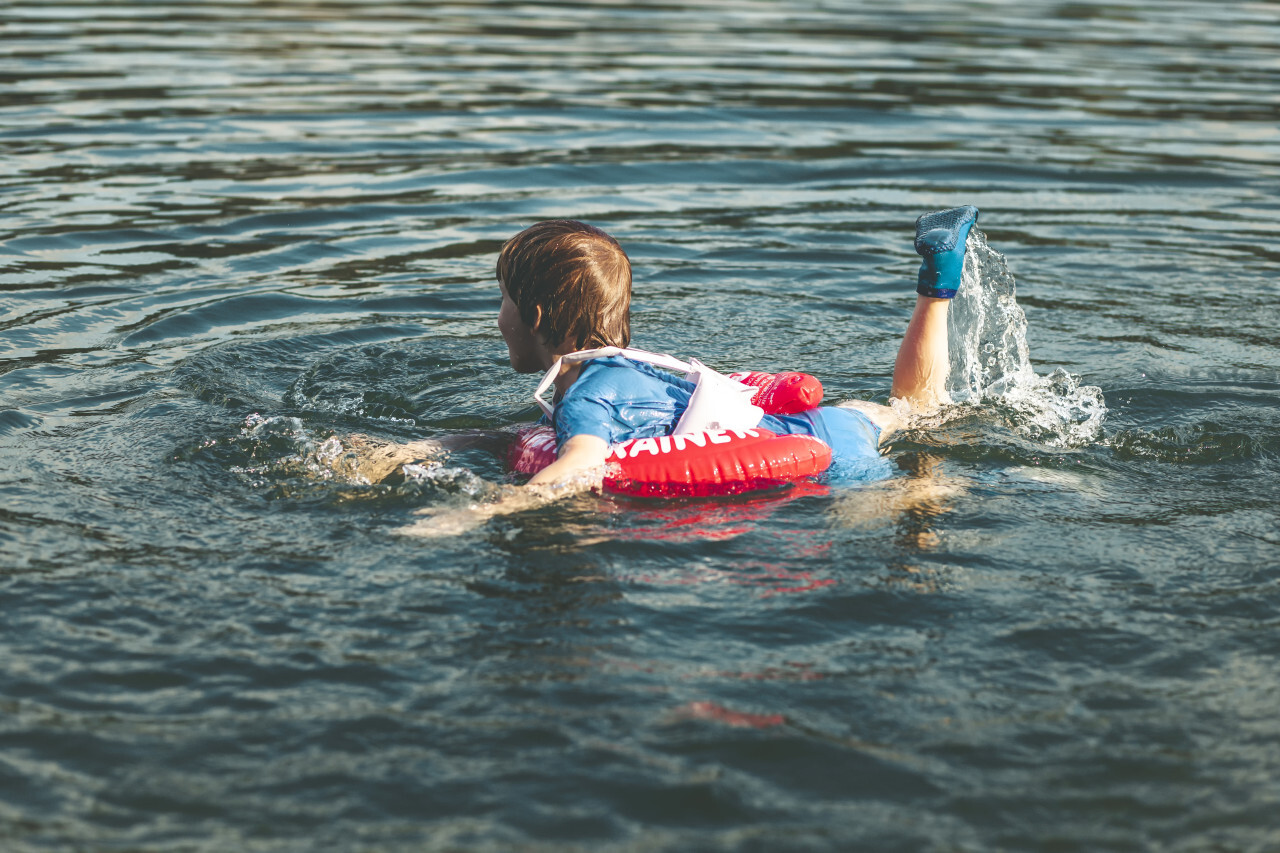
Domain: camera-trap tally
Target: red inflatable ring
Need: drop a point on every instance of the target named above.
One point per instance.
(703, 464)
(696, 464)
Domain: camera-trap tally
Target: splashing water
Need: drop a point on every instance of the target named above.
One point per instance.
(991, 363)
(283, 446)
(275, 450)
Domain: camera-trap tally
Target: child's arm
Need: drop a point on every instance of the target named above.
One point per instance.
(377, 461)
(580, 453)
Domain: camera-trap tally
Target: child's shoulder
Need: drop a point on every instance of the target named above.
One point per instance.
(620, 378)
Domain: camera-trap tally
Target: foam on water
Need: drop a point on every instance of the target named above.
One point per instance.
(991, 361)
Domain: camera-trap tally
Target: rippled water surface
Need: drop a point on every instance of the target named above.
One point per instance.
(234, 233)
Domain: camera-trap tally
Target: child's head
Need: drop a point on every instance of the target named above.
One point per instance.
(570, 284)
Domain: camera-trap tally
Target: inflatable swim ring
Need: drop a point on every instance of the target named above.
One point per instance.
(695, 464)
(707, 463)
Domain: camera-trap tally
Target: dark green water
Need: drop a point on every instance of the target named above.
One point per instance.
(231, 231)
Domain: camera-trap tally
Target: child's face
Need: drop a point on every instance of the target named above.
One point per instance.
(522, 342)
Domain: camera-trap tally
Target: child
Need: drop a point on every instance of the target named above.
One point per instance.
(566, 286)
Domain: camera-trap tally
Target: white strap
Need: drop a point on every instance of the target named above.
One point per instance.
(580, 356)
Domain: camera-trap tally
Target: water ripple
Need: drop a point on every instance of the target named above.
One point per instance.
(237, 232)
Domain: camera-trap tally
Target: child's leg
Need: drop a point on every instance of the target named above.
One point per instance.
(920, 373)
(924, 362)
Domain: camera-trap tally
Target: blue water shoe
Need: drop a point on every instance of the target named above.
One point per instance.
(940, 240)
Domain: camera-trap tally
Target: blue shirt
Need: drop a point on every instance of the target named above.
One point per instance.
(618, 399)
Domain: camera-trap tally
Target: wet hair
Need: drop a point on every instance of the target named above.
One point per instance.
(578, 275)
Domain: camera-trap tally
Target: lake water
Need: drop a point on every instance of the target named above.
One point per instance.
(233, 231)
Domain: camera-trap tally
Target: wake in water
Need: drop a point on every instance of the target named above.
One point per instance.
(991, 363)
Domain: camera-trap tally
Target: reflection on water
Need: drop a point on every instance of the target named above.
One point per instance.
(236, 235)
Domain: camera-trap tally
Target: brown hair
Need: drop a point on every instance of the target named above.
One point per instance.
(578, 275)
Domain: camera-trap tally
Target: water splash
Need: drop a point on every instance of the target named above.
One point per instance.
(991, 363)
(284, 447)
(279, 450)
(451, 480)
